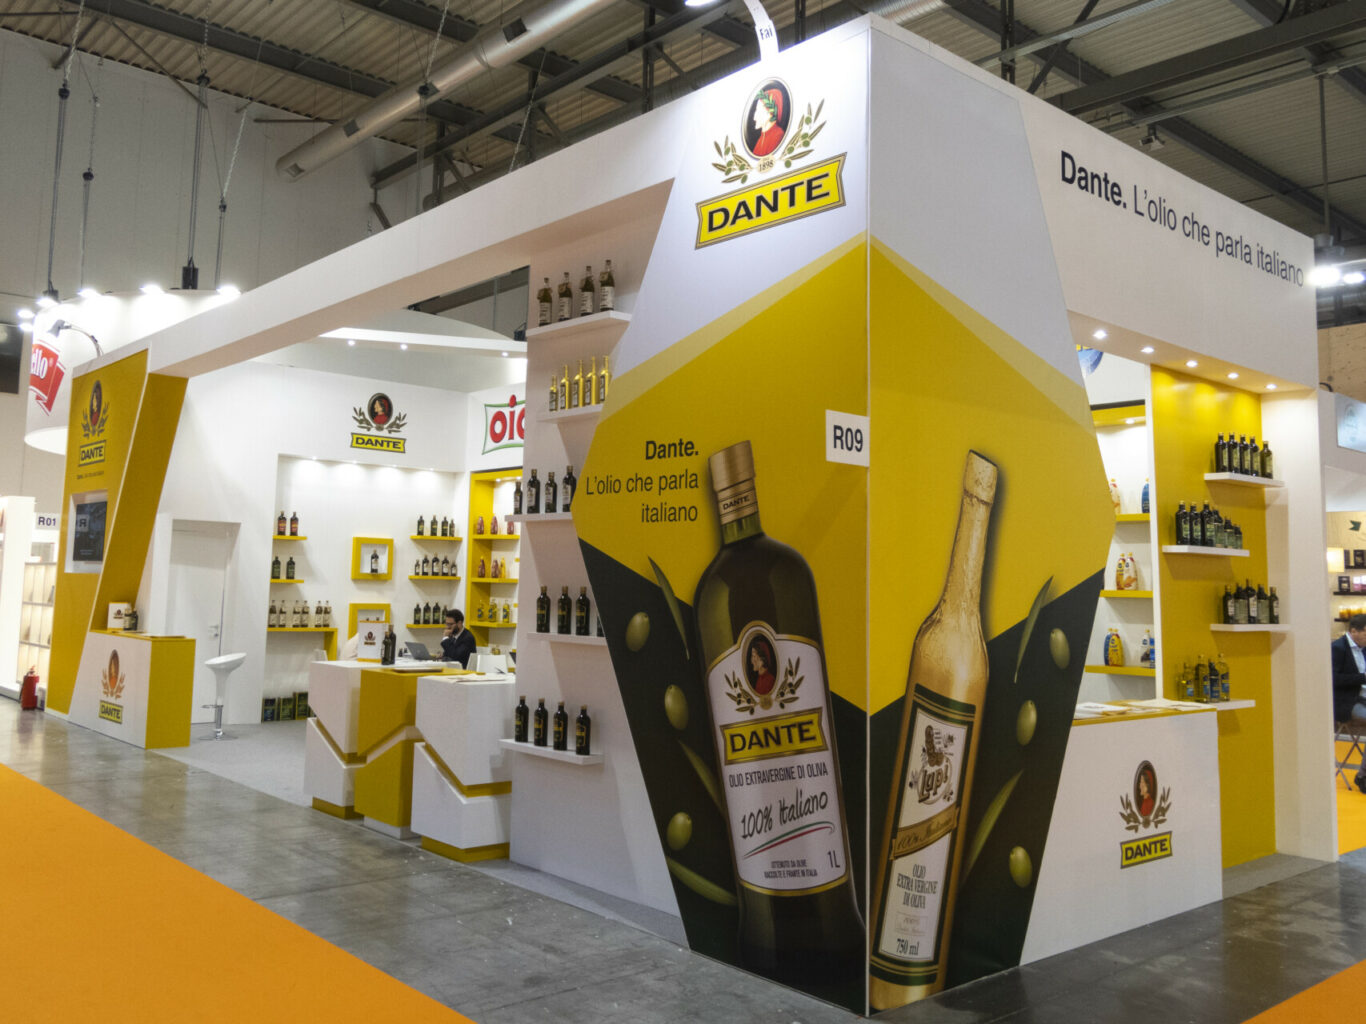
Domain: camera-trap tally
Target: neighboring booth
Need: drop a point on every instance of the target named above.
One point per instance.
(868, 269)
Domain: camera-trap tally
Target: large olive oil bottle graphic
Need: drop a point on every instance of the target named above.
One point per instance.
(759, 634)
(916, 876)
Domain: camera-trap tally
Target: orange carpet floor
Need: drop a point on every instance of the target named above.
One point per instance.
(99, 926)
(1328, 1001)
(1351, 811)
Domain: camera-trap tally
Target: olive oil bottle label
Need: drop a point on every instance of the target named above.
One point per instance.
(773, 738)
(926, 829)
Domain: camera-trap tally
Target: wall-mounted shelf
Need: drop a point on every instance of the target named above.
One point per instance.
(438, 539)
(1138, 594)
(569, 638)
(496, 625)
(285, 536)
(1134, 517)
(496, 536)
(282, 580)
(493, 579)
(542, 517)
(34, 643)
(412, 577)
(1191, 549)
(425, 625)
(550, 753)
(1121, 670)
(301, 629)
(1245, 479)
(1234, 705)
(583, 412)
(1248, 627)
(580, 326)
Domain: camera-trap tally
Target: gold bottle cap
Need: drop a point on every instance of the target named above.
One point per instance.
(979, 477)
(732, 477)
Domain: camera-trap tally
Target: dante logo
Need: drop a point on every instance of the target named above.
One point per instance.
(111, 690)
(45, 374)
(773, 137)
(933, 779)
(381, 423)
(1145, 808)
(504, 425)
(94, 418)
(757, 686)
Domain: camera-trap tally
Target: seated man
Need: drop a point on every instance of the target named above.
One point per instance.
(457, 642)
(1349, 678)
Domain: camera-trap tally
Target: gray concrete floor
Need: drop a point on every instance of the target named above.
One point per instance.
(502, 954)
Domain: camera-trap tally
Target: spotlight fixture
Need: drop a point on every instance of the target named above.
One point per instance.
(1325, 275)
(26, 314)
(1152, 141)
(88, 293)
(1100, 334)
(1192, 363)
(26, 327)
(151, 288)
(229, 291)
(403, 346)
(1233, 375)
(1147, 350)
(1271, 387)
(47, 300)
(505, 355)
(1353, 277)
(351, 342)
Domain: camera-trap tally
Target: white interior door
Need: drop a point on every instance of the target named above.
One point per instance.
(196, 598)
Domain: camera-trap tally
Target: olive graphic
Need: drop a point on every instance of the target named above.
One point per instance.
(1057, 646)
(1021, 867)
(679, 832)
(637, 631)
(1025, 722)
(676, 707)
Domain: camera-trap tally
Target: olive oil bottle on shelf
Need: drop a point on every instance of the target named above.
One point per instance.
(564, 387)
(549, 494)
(280, 524)
(759, 636)
(543, 612)
(533, 495)
(541, 723)
(587, 290)
(1114, 649)
(565, 305)
(590, 383)
(275, 568)
(1268, 461)
(1221, 455)
(583, 732)
(294, 524)
(554, 404)
(520, 720)
(581, 607)
(1183, 524)
(604, 378)
(517, 497)
(289, 567)
(922, 847)
(607, 289)
(1221, 666)
(567, 484)
(561, 724)
(563, 611)
(576, 387)
(545, 300)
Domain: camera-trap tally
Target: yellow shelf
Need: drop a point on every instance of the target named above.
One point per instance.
(1134, 517)
(425, 625)
(439, 540)
(493, 579)
(1122, 670)
(1127, 593)
(495, 536)
(493, 625)
(412, 577)
(301, 629)
(1120, 415)
(282, 580)
(285, 536)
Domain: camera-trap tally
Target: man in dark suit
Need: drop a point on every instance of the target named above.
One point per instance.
(457, 643)
(1349, 677)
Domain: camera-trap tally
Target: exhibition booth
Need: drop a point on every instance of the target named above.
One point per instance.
(842, 527)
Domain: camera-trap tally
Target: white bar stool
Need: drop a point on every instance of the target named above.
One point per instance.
(222, 667)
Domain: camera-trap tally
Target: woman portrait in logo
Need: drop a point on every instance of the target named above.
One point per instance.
(381, 409)
(96, 405)
(1145, 789)
(760, 666)
(767, 119)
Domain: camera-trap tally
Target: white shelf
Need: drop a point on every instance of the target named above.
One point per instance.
(1233, 705)
(580, 326)
(542, 517)
(570, 638)
(1246, 479)
(34, 643)
(1191, 549)
(583, 412)
(550, 753)
(1261, 627)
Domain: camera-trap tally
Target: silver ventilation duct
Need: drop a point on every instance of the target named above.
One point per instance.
(521, 30)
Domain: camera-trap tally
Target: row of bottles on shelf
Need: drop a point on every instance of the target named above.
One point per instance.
(287, 527)
(1205, 527)
(436, 568)
(497, 569)
(1112, 650)
(1347, 611)
(446, 528)
(1243, 456)
(1126, 572)
(522, 724)
(429, 613)
(296, 615)
(567, 611)
(594, 297)
(540, 499)
(495, 611)
(1204, 681)
(1119, 506)
(288, 568)
(493, 528)
(581, 390)
(1247, 605)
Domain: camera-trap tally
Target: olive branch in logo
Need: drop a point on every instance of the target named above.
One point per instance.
(735, 690)
(787, 689)
(364, 422)
(738, 168)
(111, 685)
(396, 424)
(1133, 820)
(90, 427)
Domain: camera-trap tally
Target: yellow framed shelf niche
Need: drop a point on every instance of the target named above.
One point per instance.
(1134, 517)
(329, 636)
(1146, 595)
(1191, 549)
(1121, 670)
(372, 558)
(1249, 627)
(365, 611)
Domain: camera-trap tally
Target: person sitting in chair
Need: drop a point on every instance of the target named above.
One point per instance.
(1349, 679)
(457, 642)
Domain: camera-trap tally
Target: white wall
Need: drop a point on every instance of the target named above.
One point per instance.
(245, 444)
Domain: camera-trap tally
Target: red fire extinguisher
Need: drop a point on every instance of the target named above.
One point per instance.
(28, 692)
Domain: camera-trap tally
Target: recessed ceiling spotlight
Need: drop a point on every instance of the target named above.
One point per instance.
(26, 326)
(1325, 276)
(1192, 363)
(229, 291)
(25, 314)
(1271, 387)
(46, 302)
(403, 346)
(1147, 350)
(505, 355)
(1100, 334)
(351, 342)
(151, 288)
(1233, 375)
(1129, 421)
(88, 293)
(1353, 277)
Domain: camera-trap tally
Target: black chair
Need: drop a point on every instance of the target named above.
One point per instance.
(1351, 730)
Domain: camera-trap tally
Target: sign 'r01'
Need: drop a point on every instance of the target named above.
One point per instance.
(504, 425)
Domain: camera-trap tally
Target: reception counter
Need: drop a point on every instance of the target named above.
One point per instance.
(135, 687)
